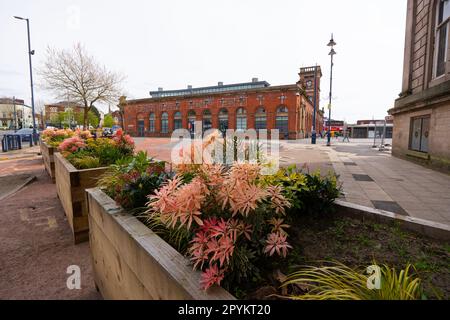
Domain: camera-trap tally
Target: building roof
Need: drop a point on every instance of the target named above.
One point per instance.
(65, 104)
(200, 94)
(10, 101)
(220, 88)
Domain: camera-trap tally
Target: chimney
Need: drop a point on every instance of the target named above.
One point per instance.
(189, 87)
(160, 89)
(254, 79)
(220, 84)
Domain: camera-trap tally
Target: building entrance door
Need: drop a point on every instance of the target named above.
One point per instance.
(141, 128)
(420, 134)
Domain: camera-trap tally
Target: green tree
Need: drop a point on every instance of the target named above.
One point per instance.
(108, 121)
(93, 119)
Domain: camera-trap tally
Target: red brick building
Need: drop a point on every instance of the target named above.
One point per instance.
(52, 110)
(252, 105)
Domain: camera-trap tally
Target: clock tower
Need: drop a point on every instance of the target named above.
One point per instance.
(307, 82)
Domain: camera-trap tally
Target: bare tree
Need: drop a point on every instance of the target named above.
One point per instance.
(77, 75)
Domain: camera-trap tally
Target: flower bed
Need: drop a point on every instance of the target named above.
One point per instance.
(132, 262)
(70, 186)
(81, 161)
(247, 233)
(50, 140)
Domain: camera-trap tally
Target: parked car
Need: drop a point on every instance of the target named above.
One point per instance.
(107, 132)
(26, 134)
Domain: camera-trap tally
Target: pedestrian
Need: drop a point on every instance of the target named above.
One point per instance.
(346, 136)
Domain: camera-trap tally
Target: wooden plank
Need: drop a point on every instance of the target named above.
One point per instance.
(47, 153)
(132, 262)
(71, 184)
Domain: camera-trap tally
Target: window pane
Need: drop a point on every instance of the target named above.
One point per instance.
(260, 123)
(441, 53)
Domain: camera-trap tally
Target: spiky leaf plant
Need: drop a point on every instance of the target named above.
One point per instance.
(337, 281)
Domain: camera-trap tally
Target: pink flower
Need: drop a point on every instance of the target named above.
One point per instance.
(278, 225)
(276, 242)
(71, 145)
(277, 200)
(211, 276)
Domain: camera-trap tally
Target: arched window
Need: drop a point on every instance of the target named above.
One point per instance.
(223, 120)
(164, 122)
(241, 119)
(282, 120)
(260, 119)
(191, 120)
(207, 120)
(151, 125)
(177, 120)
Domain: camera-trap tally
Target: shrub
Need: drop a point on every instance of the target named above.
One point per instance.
(339, 282)
(308, 193)
(130, 180)
(71, 145)
(232, 219)
(93, 153)
(53, 137)
(124, 142)
(86, 162)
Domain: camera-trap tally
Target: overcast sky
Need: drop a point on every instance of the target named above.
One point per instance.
(173, 43)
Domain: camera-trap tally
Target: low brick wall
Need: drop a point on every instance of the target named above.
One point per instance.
(131, 262)
(71, 184)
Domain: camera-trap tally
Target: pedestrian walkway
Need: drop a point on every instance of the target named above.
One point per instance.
(379, 180)
(36, 245)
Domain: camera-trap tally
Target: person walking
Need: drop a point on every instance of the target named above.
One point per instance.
(346, 136)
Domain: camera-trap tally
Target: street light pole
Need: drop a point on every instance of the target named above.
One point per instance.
(30, 53)
(15, 114)
(314, 134)
(332, 53)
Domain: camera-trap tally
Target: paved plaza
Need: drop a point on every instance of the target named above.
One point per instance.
(36, 245)
(369, 177)
(35, 266)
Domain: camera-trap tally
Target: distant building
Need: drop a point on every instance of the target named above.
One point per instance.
(14, 114)
(53, 113)
(371, 128)
(251, 105)
(422, 112)
(337, 126)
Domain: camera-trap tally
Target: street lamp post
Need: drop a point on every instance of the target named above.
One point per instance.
(314, 134)
(30, 53)
(331, 54)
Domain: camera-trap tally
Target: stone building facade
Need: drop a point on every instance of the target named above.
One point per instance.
(422, 112)
(252, 105)
(14, 114)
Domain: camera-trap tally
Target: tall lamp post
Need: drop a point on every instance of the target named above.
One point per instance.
(314, 134)
(30, 53)
(331, 54)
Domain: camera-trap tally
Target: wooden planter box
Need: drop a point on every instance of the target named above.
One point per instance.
(48, 157)
(71, 184)
(131, 262)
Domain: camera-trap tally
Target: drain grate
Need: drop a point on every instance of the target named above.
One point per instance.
(390, 206)
(362, 177)
(350, 164)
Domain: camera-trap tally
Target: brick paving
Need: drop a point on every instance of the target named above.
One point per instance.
(36, 245)
(396, 185)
